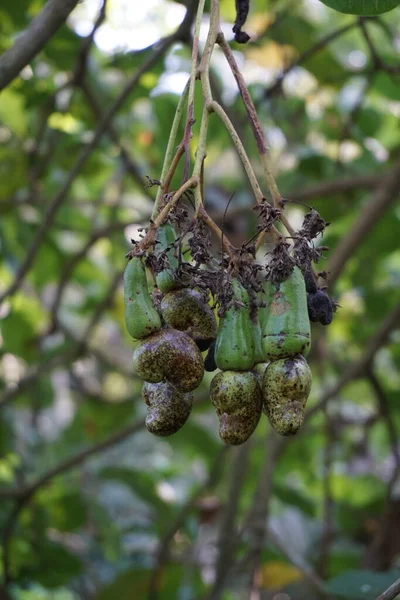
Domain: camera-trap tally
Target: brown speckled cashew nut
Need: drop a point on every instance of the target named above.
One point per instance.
(286, 386)
(168, 409)
(237, 398)
(172, 355)
(186, 310)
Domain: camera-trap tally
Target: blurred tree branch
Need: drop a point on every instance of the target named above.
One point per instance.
(392, 592)
(25, 494)
(386, 193)
(32, 40)
(49, 215)
(228, 535)
(163, 549)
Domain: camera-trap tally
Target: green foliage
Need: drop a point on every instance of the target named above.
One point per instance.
(359, 585)
(93, 526)
(362, 7)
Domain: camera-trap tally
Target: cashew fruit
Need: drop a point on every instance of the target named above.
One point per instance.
(234, 348)
(286, 329)
(172, 355)
(286, 387)
(237, 398)
(187, 311)
(141, 318)
(257, 339)
(165, 240)
(168, 408)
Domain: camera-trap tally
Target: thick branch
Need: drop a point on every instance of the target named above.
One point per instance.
(32, 40)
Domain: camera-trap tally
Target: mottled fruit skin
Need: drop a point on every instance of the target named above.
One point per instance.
(237, 398)
(286, 387)
(234, 348)
(259, 370)
(168, 409)
(171, 355)
(186, 310)
(165, 240)
(141, 318)
(286, 329)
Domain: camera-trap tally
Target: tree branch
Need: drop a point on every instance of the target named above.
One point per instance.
(320, 45)
(337, 186)
(361, 366)
(385, 195)
(61, 196)
(163, 547)
(24, 495)
(228, 538)
(32, 40)
(392, 592)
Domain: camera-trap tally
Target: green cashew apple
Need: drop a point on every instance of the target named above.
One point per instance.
(172, 355)
(234, 348)
(186, 310)
(165, 240)
(237, 398)
(168, 409)
(257, 339)
(141, 318)
(286, 387)
(286, 329)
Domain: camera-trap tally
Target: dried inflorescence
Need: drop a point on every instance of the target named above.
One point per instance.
(281, 263)
(242, 10)
(267, 215)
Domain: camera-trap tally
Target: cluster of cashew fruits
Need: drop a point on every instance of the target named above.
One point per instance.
(258, 346)
(168, 356)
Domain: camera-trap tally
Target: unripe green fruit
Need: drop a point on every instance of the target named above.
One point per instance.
(141, 318)
(171, 355)
(168, 409)
(186, 310)
(234, 348)
(257, 339)
(286, 387)
(237, 398)
(166, 237)
(286, 329)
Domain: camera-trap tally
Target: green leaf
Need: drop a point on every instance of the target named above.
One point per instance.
(362, 7)
(68, 512)
(142, 484)
(12, 111)
(290, 495)
(53, 566)
(172, 584)
(361, 585)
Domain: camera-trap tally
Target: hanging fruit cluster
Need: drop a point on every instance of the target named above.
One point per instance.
(259, 344)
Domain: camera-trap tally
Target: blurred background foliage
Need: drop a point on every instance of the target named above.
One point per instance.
(93, 506)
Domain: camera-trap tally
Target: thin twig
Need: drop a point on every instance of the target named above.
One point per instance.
(162, 552)
(383, 198)
(228, 537)
(320, 45)
(61, 196)
(25, 494)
